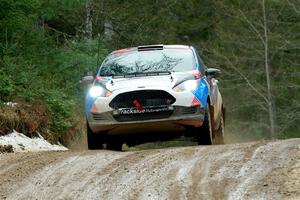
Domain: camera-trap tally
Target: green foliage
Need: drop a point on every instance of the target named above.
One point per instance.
(61, 108)
(167, 22)
(42, 63)
(6, 86)
(51, 76)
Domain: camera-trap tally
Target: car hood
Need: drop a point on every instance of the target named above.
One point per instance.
(160, 81)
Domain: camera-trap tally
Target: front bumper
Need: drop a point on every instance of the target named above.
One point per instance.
(177, 120)
(101, 104)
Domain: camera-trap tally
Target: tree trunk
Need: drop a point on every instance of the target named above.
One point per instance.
(88, 21)
(271, 107)
(108, 30)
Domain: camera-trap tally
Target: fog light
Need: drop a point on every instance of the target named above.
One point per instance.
(115, 112)
(170, 107)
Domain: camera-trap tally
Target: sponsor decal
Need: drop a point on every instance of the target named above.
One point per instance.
(196, 102)
(137, 105)
(94, 109)
(103, 79)
(131, 111)
(121, 51)
(197, 74)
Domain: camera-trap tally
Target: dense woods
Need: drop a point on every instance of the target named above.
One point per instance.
(46, 46)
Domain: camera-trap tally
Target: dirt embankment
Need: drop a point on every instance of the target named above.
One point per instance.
(258, 170)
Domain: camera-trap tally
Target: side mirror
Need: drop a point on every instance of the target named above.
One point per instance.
(87, 81)
(213, 73)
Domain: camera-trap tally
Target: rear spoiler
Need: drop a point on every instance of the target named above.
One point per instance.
(150, 47)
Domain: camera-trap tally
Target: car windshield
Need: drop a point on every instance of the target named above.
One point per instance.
(140, 62)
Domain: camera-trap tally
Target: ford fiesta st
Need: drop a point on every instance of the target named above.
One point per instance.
(154, 88)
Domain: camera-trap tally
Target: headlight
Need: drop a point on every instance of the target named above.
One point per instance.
(98, 91)
(189, 85)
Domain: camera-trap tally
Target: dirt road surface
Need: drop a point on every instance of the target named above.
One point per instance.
(257, 170)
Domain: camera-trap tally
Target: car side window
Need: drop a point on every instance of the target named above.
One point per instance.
(202, 65)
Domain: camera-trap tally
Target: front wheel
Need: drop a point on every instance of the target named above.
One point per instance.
(115, 146)
(221, 130)
(93, 140)
(204, 134)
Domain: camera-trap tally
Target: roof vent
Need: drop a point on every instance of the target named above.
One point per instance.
(151, 47)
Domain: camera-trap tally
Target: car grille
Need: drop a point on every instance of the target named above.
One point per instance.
(144, 97)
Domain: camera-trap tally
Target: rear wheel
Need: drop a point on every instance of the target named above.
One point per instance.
(204, 133)
(93, 140)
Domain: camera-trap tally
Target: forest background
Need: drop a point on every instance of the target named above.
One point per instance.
(47, 46)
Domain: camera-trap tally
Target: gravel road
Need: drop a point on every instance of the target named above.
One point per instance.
(257, 170)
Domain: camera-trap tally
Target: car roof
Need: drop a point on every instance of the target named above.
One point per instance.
(150, 48)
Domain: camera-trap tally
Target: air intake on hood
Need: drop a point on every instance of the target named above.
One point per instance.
(144, 97)
(151, 47)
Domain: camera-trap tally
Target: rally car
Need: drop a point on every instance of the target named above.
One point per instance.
(153, 88)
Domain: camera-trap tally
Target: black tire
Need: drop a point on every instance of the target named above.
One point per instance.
(204, 133)
(219, 139)
(93, 140)
(115, 146)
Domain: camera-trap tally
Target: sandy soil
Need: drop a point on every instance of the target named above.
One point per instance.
(258, 170)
